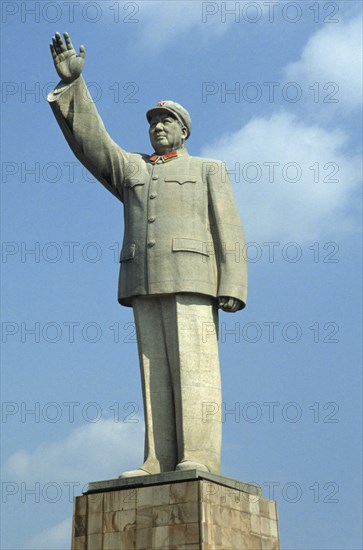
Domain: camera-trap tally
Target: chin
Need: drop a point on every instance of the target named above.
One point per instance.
(161, 149)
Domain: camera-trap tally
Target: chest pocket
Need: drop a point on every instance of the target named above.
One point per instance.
(134, 176)
(130, 183)
(181, 179)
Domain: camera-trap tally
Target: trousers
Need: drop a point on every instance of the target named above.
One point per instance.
(177, 337)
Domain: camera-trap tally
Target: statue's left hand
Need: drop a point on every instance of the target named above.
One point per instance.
(229, 304)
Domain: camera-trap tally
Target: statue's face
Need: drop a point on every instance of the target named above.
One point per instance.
(166, 133)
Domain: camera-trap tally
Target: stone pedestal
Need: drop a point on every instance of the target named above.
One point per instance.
(174, 511)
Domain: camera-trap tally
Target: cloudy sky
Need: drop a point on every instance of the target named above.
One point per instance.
(274, 90)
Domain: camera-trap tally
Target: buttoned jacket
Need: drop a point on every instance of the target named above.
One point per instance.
(182, 231)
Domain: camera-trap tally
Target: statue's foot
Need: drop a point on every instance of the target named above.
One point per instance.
(134, 473)
(189, 465)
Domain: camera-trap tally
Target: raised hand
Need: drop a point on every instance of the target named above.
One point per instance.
(68, 64)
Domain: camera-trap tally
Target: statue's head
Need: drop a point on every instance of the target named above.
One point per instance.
(170, 126)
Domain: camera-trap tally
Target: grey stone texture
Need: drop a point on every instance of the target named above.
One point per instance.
(182, 228)
(172, 477)
(181, 258)
(178, 350)
(196, 514)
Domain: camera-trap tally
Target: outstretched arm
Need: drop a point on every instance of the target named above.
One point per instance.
(80, 122)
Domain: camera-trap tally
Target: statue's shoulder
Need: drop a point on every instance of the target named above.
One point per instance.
(206, 160)
(139, 157)
(208, 165)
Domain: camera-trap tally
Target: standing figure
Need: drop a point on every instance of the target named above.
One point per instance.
(181, 260)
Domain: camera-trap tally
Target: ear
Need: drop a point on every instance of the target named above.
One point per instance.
(184, 132)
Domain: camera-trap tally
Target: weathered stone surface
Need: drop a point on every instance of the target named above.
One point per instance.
(178, 491)
(182, 258)
(190, 514)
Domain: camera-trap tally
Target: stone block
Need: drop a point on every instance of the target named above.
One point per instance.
(193, 512)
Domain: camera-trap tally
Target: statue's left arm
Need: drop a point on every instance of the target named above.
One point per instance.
(228, 240)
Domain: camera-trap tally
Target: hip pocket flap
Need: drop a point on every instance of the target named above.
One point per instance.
(127, 253)
(189, 245)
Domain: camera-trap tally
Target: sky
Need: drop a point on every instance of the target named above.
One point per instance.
(274, 90)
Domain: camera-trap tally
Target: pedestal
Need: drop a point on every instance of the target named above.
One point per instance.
(174, 511)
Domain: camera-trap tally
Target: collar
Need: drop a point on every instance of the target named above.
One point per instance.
(168, 156)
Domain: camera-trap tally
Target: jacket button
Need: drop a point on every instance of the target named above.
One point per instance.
(151, 219)
(153, 195)
(155, 177)
(151, 243)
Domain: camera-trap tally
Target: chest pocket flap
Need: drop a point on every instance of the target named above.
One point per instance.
(132, 182)
(181, 179)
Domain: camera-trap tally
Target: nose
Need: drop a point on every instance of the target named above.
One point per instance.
(159, 126)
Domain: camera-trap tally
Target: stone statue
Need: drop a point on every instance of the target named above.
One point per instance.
(180, 261)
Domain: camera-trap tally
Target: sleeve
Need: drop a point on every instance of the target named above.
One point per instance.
(86, 135)
(227, 233)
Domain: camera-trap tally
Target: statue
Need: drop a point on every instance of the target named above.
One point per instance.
(180, 262)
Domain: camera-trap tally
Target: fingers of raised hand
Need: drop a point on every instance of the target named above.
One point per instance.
(60, 45)
(53, 52)
(82, 52)
(55, 45)
(60, 52)
(56, 50)
(68, 41)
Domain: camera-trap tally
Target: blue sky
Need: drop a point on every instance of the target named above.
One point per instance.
(274, 90)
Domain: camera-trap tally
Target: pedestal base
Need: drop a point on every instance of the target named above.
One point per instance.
(174, 511)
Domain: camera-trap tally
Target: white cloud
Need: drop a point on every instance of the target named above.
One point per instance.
(333, 54)
(163, 22)
(95, 451)
(57, 537)
(92, 452)
(284, 210)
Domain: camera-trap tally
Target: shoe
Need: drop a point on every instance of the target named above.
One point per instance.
(189, 465)
(134, 473)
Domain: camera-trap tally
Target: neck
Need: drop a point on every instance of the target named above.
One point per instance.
(163, 150)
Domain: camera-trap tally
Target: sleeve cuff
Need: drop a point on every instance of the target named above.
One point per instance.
(59, 90)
